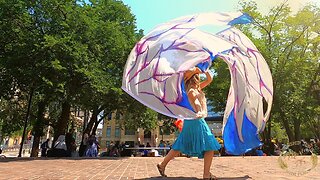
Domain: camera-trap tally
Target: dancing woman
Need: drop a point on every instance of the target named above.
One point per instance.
(196, 138)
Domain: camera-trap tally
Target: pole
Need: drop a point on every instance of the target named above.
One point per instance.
(161, 132)
(26, 122)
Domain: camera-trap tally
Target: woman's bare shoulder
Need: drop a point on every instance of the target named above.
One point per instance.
(193, 92)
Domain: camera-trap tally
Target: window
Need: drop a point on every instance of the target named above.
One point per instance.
(147, 134)
(109, 131)
(129, 131)
(117, 132)
(109, 116)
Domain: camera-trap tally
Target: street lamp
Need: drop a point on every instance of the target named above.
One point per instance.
(26, 121)
(161, 129)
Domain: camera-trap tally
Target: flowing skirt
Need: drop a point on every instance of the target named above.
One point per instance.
(196, 138)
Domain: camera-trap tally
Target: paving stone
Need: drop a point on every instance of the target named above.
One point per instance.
(145, 168)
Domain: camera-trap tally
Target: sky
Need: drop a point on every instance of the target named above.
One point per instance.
(150, 13)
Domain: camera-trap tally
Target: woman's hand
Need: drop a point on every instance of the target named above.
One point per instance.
(200, 114)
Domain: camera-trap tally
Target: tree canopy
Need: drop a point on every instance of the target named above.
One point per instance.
(290, 44)
(68, 54)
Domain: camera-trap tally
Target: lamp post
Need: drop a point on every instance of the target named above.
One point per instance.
(26, 122)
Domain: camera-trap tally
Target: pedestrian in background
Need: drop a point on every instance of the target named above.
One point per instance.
(44, 147)
(1, 155)
(92, 150)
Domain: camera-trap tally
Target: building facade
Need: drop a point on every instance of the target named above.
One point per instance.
(112, 132)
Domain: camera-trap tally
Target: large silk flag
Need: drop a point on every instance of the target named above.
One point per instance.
(154, 73)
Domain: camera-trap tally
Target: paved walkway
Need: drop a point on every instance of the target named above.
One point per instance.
(145, 168)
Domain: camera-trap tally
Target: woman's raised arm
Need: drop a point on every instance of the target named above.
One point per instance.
(208, 80)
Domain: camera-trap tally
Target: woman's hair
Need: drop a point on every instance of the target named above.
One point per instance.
(194, 80)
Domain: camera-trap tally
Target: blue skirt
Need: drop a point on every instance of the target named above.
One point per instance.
(195, 138)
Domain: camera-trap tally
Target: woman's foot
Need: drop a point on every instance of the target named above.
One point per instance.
(161, 170)
(211, 177)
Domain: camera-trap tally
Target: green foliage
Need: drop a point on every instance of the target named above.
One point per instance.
(288, 42)
(217, 91)
(278, 132)
(11, 116)
(137, 115)
(65, 51)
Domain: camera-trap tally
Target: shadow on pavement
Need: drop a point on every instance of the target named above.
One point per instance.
(235, 178)
(190, 178)
(170, 178)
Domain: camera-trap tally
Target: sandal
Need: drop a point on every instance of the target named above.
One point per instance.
(212, 177)
(161, 171)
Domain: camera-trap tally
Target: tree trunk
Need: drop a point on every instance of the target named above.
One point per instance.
(287, 128)
(90, 124)
(95, 127)
(96, 124)
(297, 133)
(86, 118)
(269, 130)
(62, 123)
(266, 134)
(35, 146)
(38, 129)
(317, 128)
(92, 120)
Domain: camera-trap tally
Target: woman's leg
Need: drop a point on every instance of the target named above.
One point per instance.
(172, 153)
(161, 166)
(208, 155)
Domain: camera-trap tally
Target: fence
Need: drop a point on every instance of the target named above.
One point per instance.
(13, 148)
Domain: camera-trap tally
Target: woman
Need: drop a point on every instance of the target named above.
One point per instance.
(92, 150)
(196, 138)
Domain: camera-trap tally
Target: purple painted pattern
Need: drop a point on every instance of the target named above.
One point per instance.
(154, 70)
(251, 81)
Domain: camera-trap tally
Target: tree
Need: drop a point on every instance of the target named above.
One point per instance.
(16, 61)
(139, 116)
(11, 116)
(288, 43)
(71, 54)
(110, 38)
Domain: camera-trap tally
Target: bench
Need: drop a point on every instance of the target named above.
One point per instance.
(150, 150)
